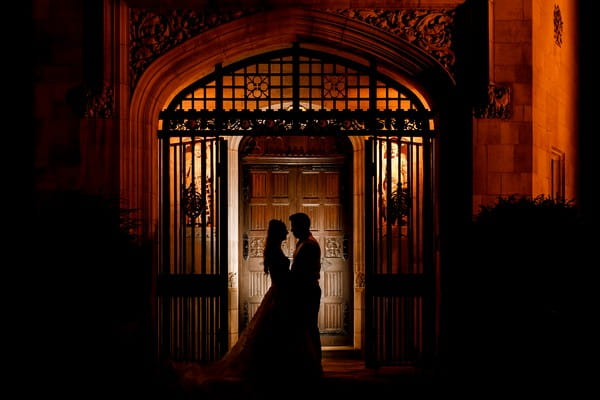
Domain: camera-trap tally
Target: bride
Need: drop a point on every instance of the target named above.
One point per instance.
(262, 345)
(275, 347)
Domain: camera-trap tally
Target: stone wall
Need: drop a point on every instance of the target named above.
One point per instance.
(555, 93)
(502, 159)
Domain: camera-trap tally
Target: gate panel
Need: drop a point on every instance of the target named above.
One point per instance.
(192, 283)
(399, 271)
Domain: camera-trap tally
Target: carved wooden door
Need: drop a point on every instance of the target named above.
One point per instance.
(277, 191)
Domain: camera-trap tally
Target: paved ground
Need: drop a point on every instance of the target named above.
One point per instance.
(344, 375)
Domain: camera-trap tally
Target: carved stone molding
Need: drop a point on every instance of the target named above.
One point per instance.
(359, 280)
(499, 103)
(256, 247)
(333, 247)
(88, 102)
(232, 279)
(153, 33)
(558, 26)
(430, 30)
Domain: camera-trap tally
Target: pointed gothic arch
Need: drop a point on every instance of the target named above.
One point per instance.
(174, 71)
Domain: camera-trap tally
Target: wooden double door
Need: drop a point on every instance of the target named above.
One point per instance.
(319, 187)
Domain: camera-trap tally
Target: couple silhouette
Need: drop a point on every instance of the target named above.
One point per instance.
(281, 345)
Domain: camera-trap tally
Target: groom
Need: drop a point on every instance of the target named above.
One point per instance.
(306, 271)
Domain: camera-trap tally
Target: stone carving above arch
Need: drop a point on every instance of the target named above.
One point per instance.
(153, 33)
(558, 26)
(430, 30)
(92, 102)
(498, 105)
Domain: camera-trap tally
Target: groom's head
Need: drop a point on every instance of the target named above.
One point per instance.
(300, 225)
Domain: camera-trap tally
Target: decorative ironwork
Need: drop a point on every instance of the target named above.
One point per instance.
(257, 86)
(499, 103)
(193, 202)
(305, 93)
(558, 26)
(152, 33)
(431, 30)
(334, 86)
(310, 122)
(359, 279)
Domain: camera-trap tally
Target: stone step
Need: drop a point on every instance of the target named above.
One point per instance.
(346, 352)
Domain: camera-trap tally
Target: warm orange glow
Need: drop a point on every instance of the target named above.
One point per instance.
(554, 96)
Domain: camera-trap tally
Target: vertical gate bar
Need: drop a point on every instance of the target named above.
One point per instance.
(193, 219)
(382, 260)
(296, 86)
(397, 315)
(201, 332)
(164, 337)
(369, 340)
(188, 327)
(192, 334)
(203, 194)
(390, 334)
(372, 119)
(205, 325)
(181, 229)
(428, 259)
(420, 209)
(388, 203)
(181, 346)
(211, 321)
(413, 195)
(211, 211)
(170, 207)
(399, 192)
(223, 243)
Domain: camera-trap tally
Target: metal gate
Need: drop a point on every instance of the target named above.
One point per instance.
(399, 289)
(192, 286)
(297, 92)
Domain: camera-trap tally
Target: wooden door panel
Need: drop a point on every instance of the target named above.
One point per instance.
(259, 217)
(332, 220)
(259, 185)
(281, 184)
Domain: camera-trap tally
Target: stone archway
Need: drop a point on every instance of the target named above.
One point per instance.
(238, 39)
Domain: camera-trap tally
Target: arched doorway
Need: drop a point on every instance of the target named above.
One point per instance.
(291, 93)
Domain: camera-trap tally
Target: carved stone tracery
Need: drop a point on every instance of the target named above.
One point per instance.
(359, 281)
(430, 30)
(558, 26)
(499, 103)
(152, 33)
